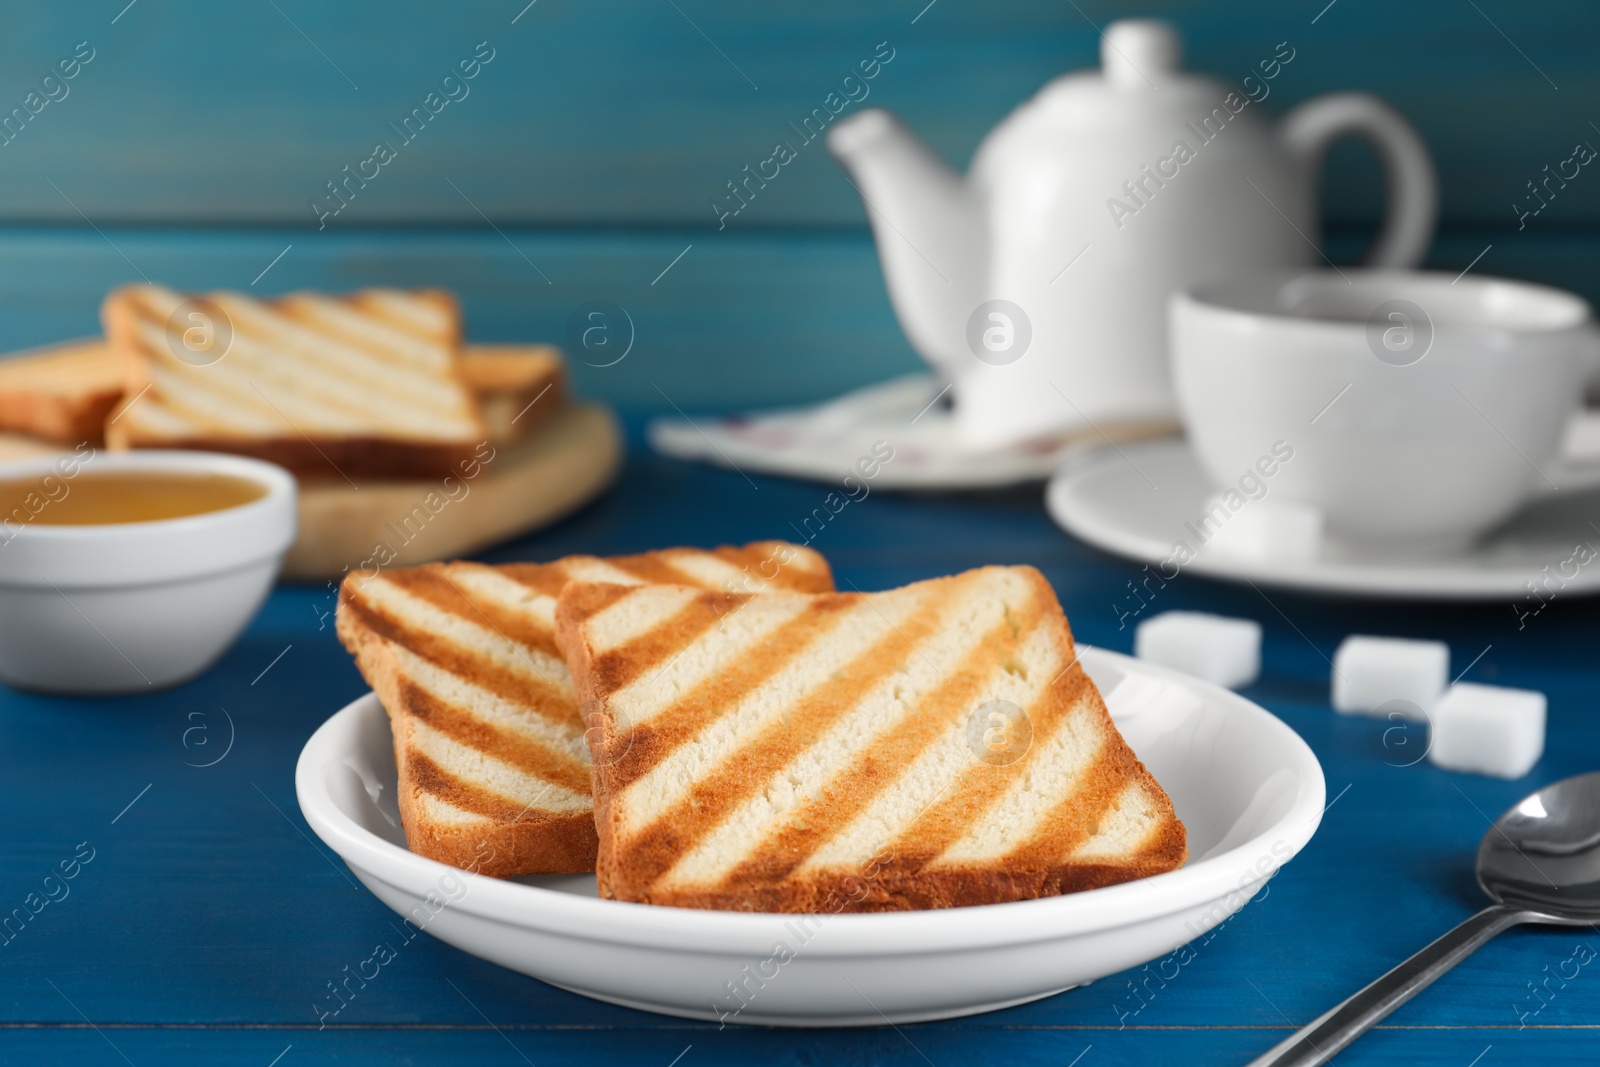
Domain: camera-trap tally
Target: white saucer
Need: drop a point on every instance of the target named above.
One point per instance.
(1135, 501)
(827, 441)
(1249, 791)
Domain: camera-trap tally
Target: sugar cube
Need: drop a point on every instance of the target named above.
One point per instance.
(1488, 729)
(1264, 529)
(1381, 675)
(1213, 647)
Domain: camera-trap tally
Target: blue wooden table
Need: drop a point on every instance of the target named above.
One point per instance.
(195, 144)
(205, 921)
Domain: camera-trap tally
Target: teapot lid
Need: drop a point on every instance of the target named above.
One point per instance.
(1140, 80)
(1140, 89)
(1141, 67)
(1140, 52)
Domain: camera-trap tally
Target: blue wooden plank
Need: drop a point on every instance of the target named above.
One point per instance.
(637, 112)
(741, 320)
(206, 902)
(912, 1047)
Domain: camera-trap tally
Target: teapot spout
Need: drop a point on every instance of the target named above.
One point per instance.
(928, 224)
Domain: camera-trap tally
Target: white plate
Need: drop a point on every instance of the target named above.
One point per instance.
(1248, 789)
(1135, 500)
(824, 442)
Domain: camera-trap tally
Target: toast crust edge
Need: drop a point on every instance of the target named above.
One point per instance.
(332, 459)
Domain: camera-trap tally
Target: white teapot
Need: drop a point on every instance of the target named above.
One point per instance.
(1038, 285)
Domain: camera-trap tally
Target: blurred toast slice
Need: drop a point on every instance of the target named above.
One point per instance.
(518, 386)
(62, 393)
(489, 741)
(931, 746)
(364, 385)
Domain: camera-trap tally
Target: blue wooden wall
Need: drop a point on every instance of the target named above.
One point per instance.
(584, 155)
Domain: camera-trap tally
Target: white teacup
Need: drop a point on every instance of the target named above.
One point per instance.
(1420, 409)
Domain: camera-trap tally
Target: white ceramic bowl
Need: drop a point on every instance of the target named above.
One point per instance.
(1248, 789)
(129, 607)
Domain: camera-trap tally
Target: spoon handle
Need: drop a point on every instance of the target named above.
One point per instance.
(1325, 1037)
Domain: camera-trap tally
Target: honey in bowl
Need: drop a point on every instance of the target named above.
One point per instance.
(105, 498)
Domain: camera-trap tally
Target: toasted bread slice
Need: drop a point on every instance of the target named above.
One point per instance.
(365, 385)
(488, 739)
(62, 393)
(932, 746)
(518, 386)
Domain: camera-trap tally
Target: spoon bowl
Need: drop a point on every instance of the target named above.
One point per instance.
(1544, 854)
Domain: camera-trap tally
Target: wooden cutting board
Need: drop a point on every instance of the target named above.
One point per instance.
(569, 459)
(563, 464)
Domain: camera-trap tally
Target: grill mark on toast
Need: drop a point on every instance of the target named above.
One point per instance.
(620, 713)
(730, 789)
(597, 570)
(619, 667)
(213, 408)
(384, 312)
(239, 406)
(679, 722)
(713, 570)
(345, 336)
(744, 833)
(980, 785)
(1081, 753)
(366, 372)
(342, 369)
(432, 313)
(553, 833)
(513, 606)
(1165, 842)
(428, 312)
(445, 813)
(1076, 817)
(312, 312)
(434, 583)
(373, 367)
(875, 769)
(710, 799)
(142, 318)
(272, 366)
(429, 777)
(804, 570)
(529, 689)
(603, 601)
(546, 578)
(654, 569)
(519, 751)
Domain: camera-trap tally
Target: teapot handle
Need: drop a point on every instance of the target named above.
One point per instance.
(1408, 173)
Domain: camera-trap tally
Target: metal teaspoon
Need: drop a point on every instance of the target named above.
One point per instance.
(1539, 863)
